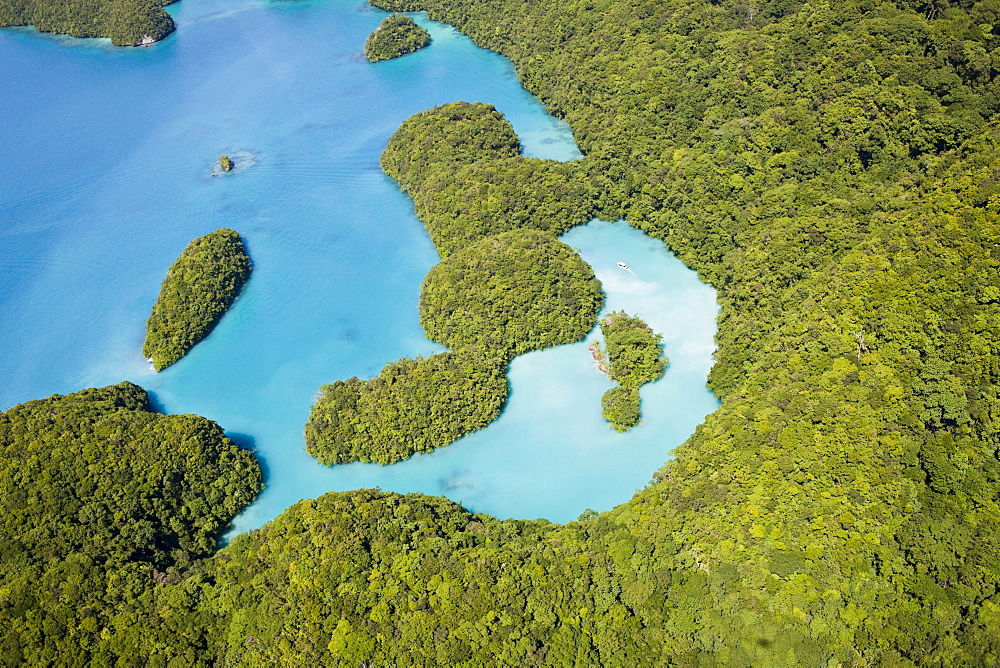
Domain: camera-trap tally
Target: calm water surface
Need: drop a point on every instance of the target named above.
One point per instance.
(106, 159)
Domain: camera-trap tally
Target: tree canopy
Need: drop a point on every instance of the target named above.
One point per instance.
(125, 22)
(517, 291)
(413, 405)
(200, 286)
(460, 163)
(634, 357)
(106, 502)
(396, 36)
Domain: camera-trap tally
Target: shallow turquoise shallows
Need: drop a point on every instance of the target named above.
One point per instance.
(106, 173)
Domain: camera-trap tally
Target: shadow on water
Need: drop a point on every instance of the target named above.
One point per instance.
(249, 443)
(155, 404)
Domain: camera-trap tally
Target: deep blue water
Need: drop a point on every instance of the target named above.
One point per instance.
(106, 160)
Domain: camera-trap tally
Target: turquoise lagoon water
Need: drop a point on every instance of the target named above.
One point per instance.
(106, 160)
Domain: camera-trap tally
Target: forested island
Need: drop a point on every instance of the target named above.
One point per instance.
(831, 169)
(200, 286)
(125, 22)
(396, 36)
(632, 356)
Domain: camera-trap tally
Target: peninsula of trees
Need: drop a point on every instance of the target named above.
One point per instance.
(500, 297)
(462, 166)
(633, 356)
(396, 36)
(125, 22)
(414, 405)
(491, 298)
(199, 287)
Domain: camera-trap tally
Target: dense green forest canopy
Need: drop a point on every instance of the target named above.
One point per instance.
(461, 165)
(634, 352)
(125, 22)
(200, 286)
(397, 35)
(411, 580)
(621, 406)
(518, 291)
(446, 138)
(413, 405)
(831, 168)
(632, 356)
(106, 503)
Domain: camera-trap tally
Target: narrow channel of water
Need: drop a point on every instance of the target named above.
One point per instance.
(108, 156)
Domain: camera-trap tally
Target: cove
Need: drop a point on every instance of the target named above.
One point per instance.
(107, 176)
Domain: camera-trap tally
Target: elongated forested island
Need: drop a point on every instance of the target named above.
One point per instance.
(200, 286)
(632, 356)
(831, 169)
(124, 22)
(396, 36)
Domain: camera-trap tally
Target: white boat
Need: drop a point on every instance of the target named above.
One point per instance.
(623, 265)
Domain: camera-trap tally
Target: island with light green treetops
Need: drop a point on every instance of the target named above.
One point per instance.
(200, 286)
(633, 356)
